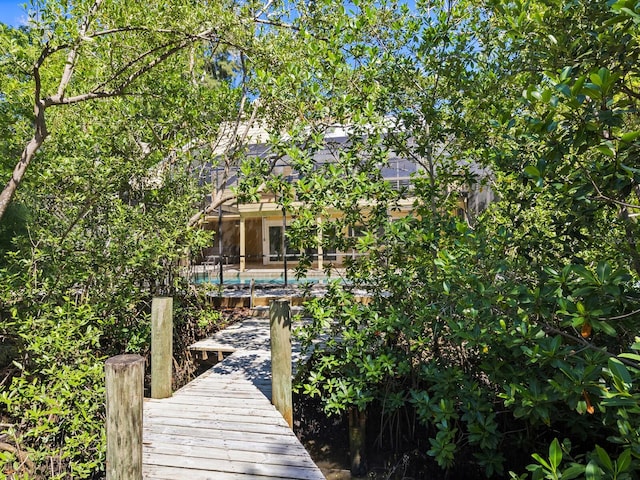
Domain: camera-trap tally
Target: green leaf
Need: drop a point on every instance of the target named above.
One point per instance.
(605, 327)
(619, 402)
(631, 356)
(584, 273)
(566, 72)
(577, 87)
(624, 461)
(573, 471)
(629, 169)
(617, 369)
(532, 171)
(630, 136)
(604, 458)
(564, 89)
(631, 13)
(592, 471)
(607, 149)
(595, 79)
(555, 453)
(541, 460)
(605, 76)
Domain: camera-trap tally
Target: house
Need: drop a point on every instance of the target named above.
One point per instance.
(251, 236)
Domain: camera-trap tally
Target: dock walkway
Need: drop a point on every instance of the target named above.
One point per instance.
(222, 425)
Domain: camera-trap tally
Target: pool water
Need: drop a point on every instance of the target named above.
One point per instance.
(234, 280)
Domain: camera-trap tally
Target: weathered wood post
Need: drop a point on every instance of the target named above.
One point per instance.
(124, 387)
(252, 293)
(357, 441)
(280, 321)
(161, 346)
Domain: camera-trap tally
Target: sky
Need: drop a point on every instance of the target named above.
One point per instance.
(11, 12)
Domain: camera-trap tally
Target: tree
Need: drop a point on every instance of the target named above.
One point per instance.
(99, 239)
(110, 192)
(480, 332)
(522, 321)
(103, 217)
(94, 50)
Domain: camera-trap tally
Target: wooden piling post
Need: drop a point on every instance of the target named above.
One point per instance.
(124, 377)
(280, 321)
(161, 346)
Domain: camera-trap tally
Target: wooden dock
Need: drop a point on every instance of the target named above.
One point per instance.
(245, 347)
(222, 425)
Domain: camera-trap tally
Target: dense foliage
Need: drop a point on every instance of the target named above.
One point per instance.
(486, 337)
(516, 330)
(91, 244)
(100, 222)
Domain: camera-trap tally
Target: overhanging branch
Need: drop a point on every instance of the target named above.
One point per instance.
(581, 341)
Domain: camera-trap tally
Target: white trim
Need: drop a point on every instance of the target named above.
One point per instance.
(265, 241)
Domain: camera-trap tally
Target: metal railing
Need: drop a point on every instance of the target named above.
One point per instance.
(215, 266)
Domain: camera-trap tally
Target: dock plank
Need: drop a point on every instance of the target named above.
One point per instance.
(203, 434)
(224, 453)
(244, 444)
(161, 472)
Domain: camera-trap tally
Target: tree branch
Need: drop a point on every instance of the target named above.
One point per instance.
(581, 341)
(630, 92)
(72, 57)
(100, 91)
(195, 219)
(620, 317)
(133, 62)
(119, 90)
(111, 31)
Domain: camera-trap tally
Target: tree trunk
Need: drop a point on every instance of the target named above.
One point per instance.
(357, 441)
(25, 159)
(18, 173)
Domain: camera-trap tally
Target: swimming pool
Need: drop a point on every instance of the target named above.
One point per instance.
(243, 281)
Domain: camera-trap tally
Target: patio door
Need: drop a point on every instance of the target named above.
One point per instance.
(272, 233)
(274, 240)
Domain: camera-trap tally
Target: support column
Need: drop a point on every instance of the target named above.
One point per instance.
(281, 368)
(161, 346)
(243, 247)
(320, 251)
(124, 388)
